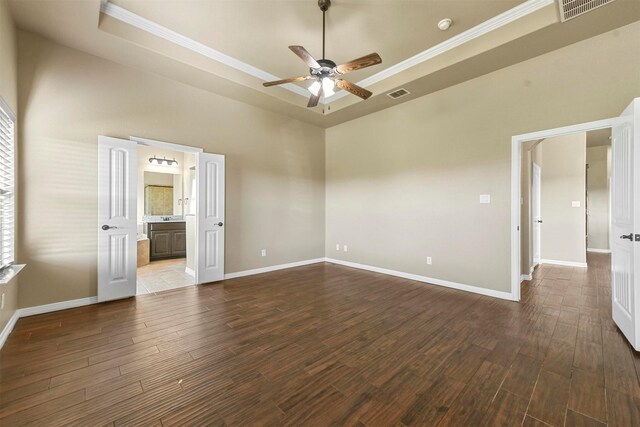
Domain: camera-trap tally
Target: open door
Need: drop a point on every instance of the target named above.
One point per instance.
(625, 218)
(535, 213)
(210, 218)
(117, 247)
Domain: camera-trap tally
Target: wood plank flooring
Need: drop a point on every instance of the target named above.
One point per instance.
(329, 345)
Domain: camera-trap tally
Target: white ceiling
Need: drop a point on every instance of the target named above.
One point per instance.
(231, 46)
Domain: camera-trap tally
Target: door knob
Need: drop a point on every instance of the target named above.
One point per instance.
(627, 236)
(220, 224)
(539, 221)
(107, 227)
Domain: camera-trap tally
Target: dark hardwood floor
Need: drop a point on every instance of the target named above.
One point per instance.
(329, 345)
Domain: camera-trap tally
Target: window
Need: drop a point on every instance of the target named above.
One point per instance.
(7, 185)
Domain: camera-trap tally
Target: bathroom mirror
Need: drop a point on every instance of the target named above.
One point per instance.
(162, 194)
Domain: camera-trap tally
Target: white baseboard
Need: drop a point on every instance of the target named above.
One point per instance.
(56, 306)
(190, 271)
(564, 263)
(8, 328)
(272, 268)
(41, 309)
(525, 277)
(429, 280)
(599, 251)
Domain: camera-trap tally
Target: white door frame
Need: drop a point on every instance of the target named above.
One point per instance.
(516, 159)
(184, 149)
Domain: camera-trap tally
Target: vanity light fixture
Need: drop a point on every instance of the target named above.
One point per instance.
(164, 161)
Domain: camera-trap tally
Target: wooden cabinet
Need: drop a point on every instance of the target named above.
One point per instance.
(168, 239)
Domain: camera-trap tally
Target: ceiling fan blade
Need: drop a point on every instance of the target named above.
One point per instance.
(289, 80)
(356, 64)
(314, 99)
(353, 88)
(305, 56)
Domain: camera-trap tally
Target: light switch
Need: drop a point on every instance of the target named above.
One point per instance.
(575, 204)
(485, 198)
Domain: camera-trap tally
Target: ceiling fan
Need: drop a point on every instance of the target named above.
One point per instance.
(325, 73)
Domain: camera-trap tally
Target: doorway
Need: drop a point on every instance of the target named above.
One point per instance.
(160, 205)
(565, 182)
(166, 219)
(625, 171)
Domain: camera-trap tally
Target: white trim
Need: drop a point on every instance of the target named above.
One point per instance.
(8, 328)
(10, 272)
(165, 145)
(190, 272)
(429, 280)
(499, 21)
(599, 251)
(57, 306)
(516, 159)
(272, 268)
(158, 30)
(524, 277)
(511, 15)
(41, 309)
(564, 263)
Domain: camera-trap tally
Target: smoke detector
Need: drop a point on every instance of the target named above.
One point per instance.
(445, 24)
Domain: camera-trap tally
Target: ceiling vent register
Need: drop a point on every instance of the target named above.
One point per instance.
(570, 9)
(398, 93)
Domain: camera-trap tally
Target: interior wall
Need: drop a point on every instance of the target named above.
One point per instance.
(8, 92)
(598, 159)
(563, 182)
(274, 165)
(403, 184)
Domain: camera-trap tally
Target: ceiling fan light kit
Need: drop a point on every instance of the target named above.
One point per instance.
(325, 73)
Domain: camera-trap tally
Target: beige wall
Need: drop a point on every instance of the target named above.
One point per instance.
(8, 92)
(275, 165)
(598, 193)
(563, 181)
(403, 183)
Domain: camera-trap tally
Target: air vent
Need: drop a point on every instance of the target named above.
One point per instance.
(398, 93)
(570, 9)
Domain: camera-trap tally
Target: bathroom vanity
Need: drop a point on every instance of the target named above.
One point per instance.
(168, 239)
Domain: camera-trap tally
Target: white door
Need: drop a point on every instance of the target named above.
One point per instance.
(535, 213)
(625, 218)
(117, 247)
(210, 217)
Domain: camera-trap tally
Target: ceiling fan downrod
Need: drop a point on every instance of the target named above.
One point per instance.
(324, 6)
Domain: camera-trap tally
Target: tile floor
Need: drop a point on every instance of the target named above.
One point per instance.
(162, 275)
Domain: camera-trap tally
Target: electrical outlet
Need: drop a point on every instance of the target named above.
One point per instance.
(429, 260)
(345, 248)
(337, 246)
(2, 303)
(264, 252)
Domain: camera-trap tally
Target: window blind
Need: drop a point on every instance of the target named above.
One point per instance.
(7, 185)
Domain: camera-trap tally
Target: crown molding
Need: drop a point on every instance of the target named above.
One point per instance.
(479, 30)
(158, 30)
(499, 21)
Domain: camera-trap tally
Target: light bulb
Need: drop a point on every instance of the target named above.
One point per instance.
(327, 86)
(315, 88)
